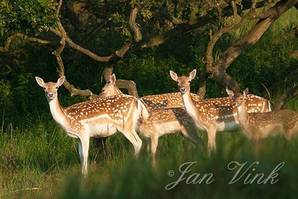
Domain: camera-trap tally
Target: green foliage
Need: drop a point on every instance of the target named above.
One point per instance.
(268, 61)
(5, 93)
(26, 16)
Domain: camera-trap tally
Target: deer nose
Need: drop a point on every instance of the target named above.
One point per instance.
(50, 95)
(182, 90)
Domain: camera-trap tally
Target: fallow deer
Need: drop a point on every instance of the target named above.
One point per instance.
(99, 117)
(209, 115)
(110, 88)
(161, 121)
(257, 126)
(254, 103)
(173, 100)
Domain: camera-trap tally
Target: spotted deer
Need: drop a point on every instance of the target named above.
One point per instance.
(99, 117)
(110, 88)
(209, 115)
(254, 103)
(161, 121)
(173, 100)
(257, 126)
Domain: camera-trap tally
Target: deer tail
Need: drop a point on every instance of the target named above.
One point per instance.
(144, 114)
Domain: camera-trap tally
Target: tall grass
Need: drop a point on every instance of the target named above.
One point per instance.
(43, 163)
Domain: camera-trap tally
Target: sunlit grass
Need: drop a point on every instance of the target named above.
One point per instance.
(43, 163)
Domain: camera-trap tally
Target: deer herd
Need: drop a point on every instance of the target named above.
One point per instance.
(157, 115)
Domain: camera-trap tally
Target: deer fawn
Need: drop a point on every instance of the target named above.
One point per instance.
(100, 117)
(161, 121)
(210, 115)
(261, 125)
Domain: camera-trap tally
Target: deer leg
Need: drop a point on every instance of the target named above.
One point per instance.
(154, 144)
(211, 138)
(257, 144)
(191, 135)
(289, 133)
(148, 145)
(135, 140)
(83, 151)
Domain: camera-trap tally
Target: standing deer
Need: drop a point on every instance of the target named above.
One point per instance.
(161, 121)
(257, 126)
(255, 103)
(100, 117)
(210, 115)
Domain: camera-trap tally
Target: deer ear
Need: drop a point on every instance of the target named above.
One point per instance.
(39, 81)
(245, 92)
(113, 78)
(60, 81)
(230, 92)
(192, 74)
(173, 75)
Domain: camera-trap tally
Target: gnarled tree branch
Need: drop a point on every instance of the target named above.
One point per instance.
(60, 32)
(218, 69)
(71, 88)
(134, 26)
(129, 85)
(283, 97)
(181, 27)
(11, 38)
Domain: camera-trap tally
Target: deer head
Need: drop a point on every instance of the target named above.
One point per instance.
(230, 93)
(50, 88)
(241, 99)
(110, 88)
(183, 81)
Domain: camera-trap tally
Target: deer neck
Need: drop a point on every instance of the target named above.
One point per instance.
(189, 106)
(116, 91)
(58, 114)
(243, 116)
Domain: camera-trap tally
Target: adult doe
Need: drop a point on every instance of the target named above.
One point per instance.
(257, 126)
(211, 115)
(161, 121)
(99, 117)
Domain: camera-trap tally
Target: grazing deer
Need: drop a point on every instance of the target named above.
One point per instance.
(209, 115)
(161, 121)
(257, 126)
(99, 117)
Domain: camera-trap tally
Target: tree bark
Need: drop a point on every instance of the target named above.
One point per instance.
(71, 88)
(218, 69)
(13, 37)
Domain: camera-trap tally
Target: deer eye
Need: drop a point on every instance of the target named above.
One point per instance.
(108, 82)
(57, 87)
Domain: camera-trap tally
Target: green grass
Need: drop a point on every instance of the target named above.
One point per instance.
(42, 162)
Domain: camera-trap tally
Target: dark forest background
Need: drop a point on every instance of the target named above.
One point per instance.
(173, 35)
